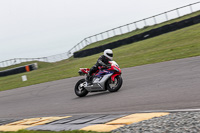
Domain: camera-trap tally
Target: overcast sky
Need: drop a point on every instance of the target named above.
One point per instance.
(39, 28)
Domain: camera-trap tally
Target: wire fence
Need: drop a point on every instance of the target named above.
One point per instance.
(150, 21)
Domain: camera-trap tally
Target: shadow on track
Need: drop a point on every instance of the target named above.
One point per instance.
(95, 94)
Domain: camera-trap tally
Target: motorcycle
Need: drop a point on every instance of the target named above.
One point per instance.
(106, 78)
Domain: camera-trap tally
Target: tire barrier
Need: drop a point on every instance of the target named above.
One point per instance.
(140, 37)
(17, 70)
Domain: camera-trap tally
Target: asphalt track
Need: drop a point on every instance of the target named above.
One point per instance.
(170, 85)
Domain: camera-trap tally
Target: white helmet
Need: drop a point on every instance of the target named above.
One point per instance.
(108, 53)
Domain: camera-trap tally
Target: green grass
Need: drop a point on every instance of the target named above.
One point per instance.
(174, 45)
(138, 31)
(75, 131)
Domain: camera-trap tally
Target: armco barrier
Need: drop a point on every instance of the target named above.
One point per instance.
(139, 37)
(17, 70)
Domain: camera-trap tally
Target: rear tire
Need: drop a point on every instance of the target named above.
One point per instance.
(114, 86)
(79, 88)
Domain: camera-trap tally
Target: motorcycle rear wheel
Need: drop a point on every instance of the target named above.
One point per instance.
(114, 86)
(79, 88)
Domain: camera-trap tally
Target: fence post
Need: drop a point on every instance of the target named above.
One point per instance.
(46, 59)
(155, 19)
(166, 16)
(135, 25)
(145, 24)
(79, 46)
(108, 33)
(82, 44)
(120, 30)
(6, 63)
(67, 55)
(91, 39)
(75, 48)
(178, 13)
(191, 8)
(69, 52)
(11, 62)
(102, 36)
(87, 42)
(128, 28)
(114, 32)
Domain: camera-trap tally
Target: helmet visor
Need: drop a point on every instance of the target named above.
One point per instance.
(111, 55)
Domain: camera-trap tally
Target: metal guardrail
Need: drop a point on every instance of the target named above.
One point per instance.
(150, 21)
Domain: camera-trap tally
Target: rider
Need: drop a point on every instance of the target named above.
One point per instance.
(102, 61)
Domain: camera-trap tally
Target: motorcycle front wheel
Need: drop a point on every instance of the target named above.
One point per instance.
(113, 86)
(79, 88)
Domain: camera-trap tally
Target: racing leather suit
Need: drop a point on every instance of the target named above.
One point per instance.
(102, 61)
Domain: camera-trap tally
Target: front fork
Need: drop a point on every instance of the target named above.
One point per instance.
(113, 76)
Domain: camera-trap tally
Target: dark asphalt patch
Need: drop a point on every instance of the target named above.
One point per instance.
(76, 122)
(7, 121)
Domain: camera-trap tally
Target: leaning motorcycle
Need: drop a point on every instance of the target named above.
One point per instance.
(104, 79)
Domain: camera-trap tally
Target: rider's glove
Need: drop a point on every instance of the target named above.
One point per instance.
(104, 66)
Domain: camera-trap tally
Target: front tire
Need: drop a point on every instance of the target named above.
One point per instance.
(79, 88)
(114, 86)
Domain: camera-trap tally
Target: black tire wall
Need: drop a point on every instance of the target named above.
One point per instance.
(18, 70)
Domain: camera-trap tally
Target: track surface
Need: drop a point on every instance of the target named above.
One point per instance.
(162, 86)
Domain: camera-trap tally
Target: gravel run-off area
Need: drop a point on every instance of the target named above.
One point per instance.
(181, 122)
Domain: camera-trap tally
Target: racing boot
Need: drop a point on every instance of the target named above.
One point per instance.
(89, 80)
